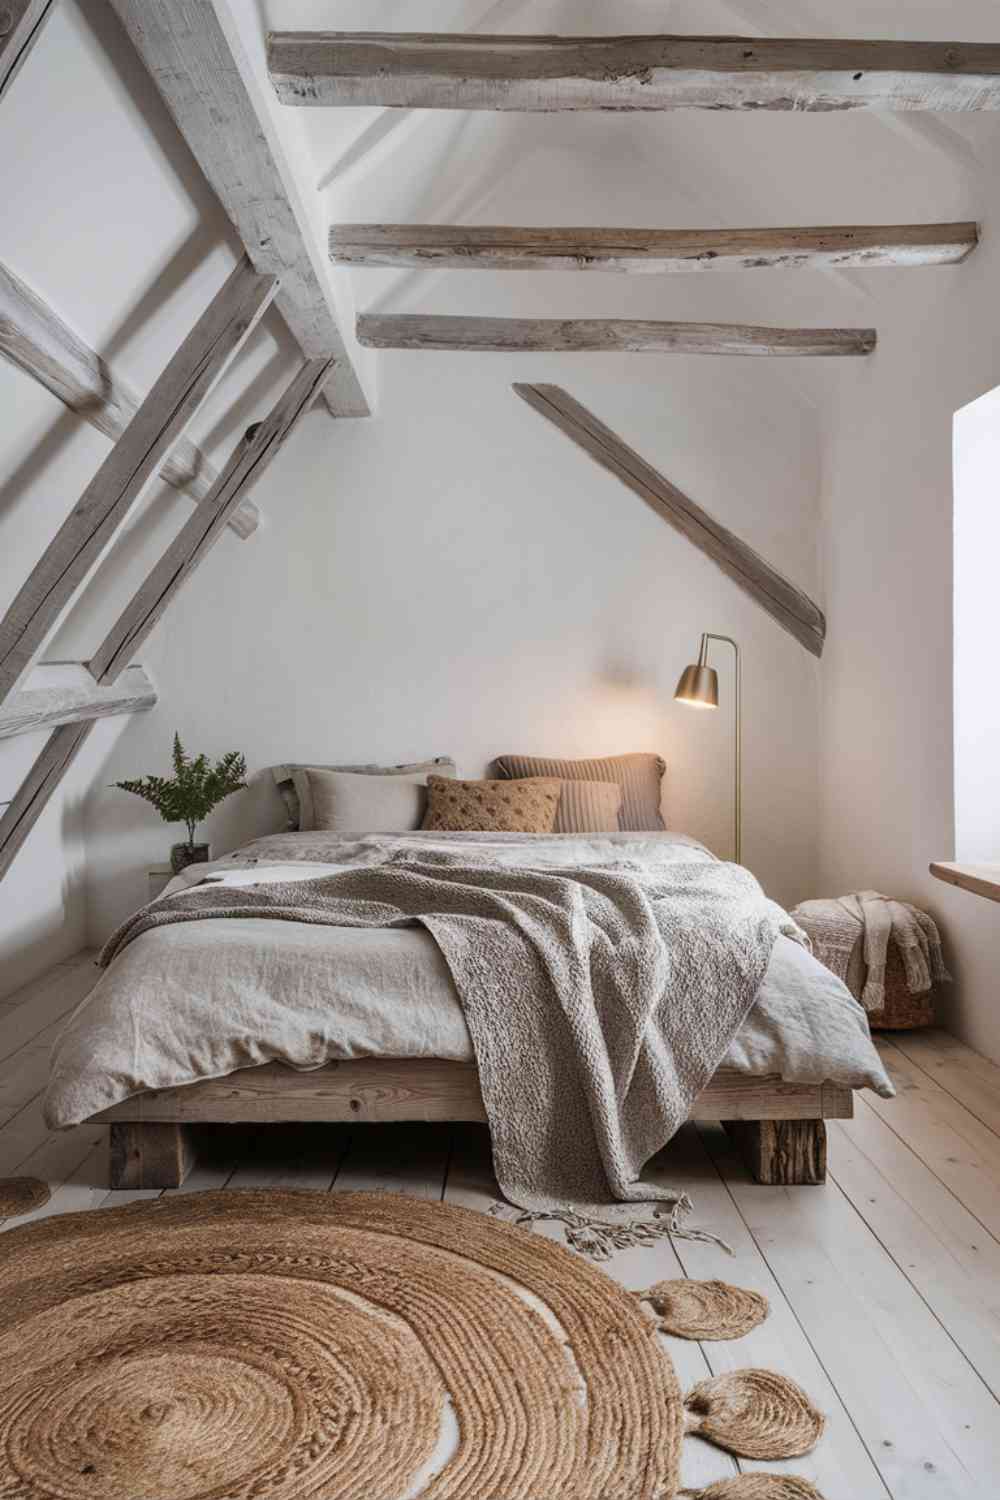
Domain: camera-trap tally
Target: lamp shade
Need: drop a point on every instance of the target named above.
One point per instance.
(699, 686)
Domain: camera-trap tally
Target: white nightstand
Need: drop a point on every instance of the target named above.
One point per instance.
(159, 878)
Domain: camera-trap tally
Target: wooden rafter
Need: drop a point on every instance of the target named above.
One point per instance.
(621, 335)
(205, 526)
(35, 339)
(65, 693)
(176, 396)
(788, 605)
(53, 761)
(448, 71)
(504, 248)
(21, 22)
(208, 86)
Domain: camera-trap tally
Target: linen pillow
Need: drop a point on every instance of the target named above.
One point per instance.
(588, 807)
(525, 806)
(639, 777)
(356, 802)
(300, 814)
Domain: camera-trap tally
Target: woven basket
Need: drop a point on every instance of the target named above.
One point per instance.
(901, 1011)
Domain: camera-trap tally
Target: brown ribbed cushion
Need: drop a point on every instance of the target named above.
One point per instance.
(588, 807)
(527, 806)
(639, 777)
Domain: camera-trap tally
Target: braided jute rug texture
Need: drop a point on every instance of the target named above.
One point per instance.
(277, 1345)
(19, 1195)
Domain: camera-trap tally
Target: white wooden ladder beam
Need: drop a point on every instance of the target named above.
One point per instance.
(35, 339)
(65, 693)
(176, 396)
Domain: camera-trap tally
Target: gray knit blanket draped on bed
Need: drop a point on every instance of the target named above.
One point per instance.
(599, 1000)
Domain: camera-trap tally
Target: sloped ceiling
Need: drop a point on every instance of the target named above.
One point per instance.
(683, 169)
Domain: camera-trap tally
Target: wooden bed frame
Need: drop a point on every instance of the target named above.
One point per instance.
(778, 1127)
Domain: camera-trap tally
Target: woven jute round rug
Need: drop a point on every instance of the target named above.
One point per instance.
(705, 1310)
(19, 1195)
(291, 1345)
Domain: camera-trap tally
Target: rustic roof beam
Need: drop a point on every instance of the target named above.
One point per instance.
(193, 55)
(506, 248)
(542, 73)
(792, 609)
(603, 335)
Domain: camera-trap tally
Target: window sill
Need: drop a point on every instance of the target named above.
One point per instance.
(982, 880)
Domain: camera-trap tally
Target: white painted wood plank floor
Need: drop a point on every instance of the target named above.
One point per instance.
(884, 1285)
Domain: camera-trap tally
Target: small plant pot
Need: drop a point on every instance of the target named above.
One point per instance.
(182, 855)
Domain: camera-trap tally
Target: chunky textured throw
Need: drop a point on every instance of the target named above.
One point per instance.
(836, 926)
(600, 1000)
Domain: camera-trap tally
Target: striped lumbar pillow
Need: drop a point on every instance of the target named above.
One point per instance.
(589, 807)
(639, 776)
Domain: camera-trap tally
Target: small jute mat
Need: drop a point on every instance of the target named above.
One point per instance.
(349, 1346)
(705, 1310)
(758, 1487)
(19, 1195)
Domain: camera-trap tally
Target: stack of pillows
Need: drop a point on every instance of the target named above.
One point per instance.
(530, 794)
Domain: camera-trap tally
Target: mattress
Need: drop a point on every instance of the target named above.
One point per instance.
(201, 999)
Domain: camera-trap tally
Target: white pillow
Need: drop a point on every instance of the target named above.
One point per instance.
(356, 802)
(300, 814)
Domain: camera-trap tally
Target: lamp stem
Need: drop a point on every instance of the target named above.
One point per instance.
(738, 742)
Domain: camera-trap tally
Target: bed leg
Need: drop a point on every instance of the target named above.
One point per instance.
(154, 1155)
(781, 1152)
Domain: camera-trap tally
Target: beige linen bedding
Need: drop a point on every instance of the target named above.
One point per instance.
(202, 999)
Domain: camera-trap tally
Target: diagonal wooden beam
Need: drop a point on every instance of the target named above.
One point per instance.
(64, 692)
(135, 458)
(505, 248)
(412, 70)
(196, 539)
(53, 761)
(35, 339)
(21, 22)
(195, 59)
(788, 605)
(607, 335)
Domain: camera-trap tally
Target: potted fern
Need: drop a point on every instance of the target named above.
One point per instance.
(189, 796)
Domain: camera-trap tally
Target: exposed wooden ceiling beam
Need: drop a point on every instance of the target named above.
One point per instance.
(21, 22)
(35, 339)
(64, 692)
(621, 335)
(787, 604)
(504, 248)
(448, 71)
(207, 85)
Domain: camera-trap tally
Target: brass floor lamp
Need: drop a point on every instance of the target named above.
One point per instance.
(699, 687)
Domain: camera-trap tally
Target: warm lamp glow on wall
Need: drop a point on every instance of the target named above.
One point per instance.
(699, 688)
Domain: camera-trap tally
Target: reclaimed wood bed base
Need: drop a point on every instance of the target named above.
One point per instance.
(778, 1127)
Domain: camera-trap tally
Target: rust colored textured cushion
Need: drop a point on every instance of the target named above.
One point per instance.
(639, 776)
(527, 806)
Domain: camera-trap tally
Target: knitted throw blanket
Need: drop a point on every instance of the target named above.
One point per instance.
(600, 1000)
(836, 924)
